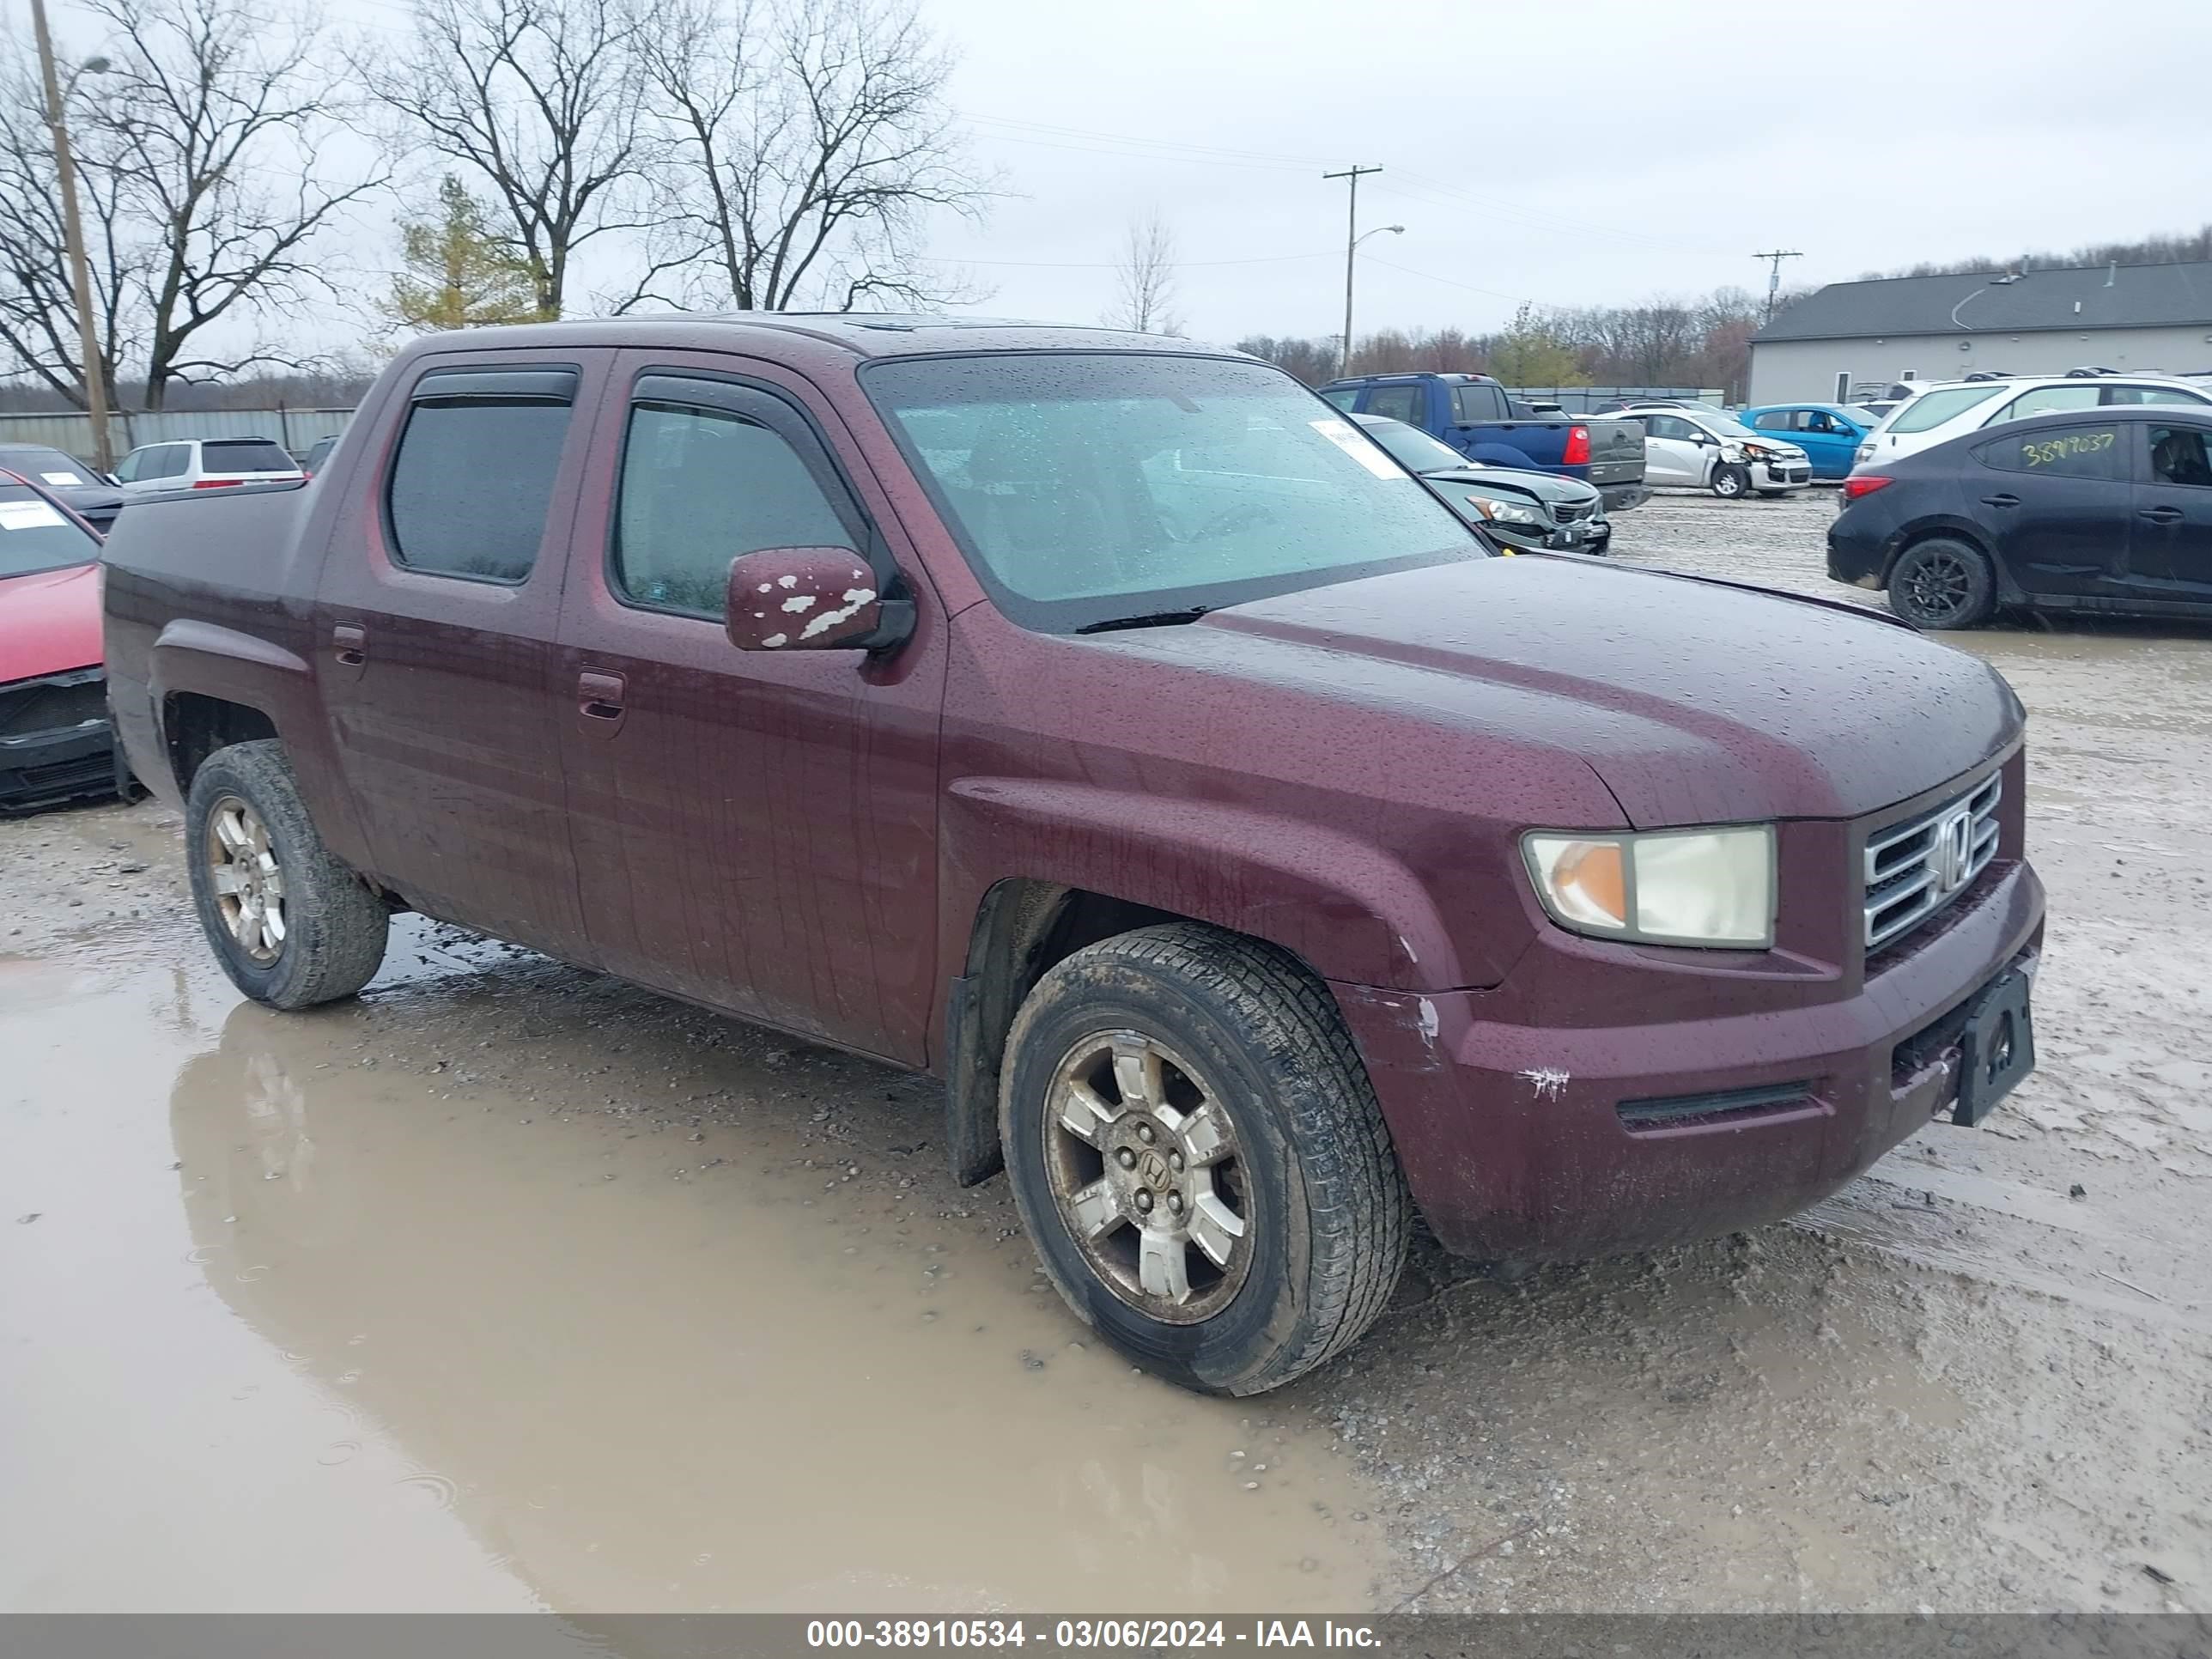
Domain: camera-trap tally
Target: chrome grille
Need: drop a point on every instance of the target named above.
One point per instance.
(1916, 869)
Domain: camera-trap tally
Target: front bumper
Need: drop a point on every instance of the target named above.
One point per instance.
(1780, 475)
(1528, 1141)
(45, 765)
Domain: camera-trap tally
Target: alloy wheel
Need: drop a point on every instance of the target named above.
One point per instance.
(1144, 1163)
(244, 875)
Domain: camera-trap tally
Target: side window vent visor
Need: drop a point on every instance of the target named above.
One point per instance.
(548, 386)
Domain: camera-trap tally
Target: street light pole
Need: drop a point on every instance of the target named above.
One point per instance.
(94, 373)
(1344, 366)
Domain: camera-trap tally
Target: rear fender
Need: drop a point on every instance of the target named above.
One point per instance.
(232, 666)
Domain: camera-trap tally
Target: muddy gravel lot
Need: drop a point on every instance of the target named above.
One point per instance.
(509, 1286)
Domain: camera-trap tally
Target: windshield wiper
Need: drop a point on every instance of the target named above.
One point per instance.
(1149, 619)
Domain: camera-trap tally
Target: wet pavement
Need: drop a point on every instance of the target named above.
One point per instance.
(510, 1287)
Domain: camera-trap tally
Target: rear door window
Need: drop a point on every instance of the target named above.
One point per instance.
(472, 479)
(2049, 400)
(1474, 404)
(1398, 403)
(2068, 451)
(1775, 419)
(708, 476)
(244, 455)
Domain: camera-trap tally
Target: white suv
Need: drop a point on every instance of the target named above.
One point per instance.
(206, 464)
(1956, 407)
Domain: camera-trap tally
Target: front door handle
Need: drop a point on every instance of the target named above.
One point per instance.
(2161, 514)
(599, 701)
(2000, 500)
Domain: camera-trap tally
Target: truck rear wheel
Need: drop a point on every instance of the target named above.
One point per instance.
(1198, 1158)
(291, 926)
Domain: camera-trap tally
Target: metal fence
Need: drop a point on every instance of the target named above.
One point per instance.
(296, 430)
(1581, 400)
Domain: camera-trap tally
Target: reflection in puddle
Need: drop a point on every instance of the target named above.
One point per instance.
(645, 1356)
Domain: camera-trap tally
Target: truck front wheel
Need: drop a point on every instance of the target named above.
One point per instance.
(1198, 1155)
(291, 926)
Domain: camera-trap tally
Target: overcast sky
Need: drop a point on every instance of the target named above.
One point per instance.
(1567, 153)
(1564, 151)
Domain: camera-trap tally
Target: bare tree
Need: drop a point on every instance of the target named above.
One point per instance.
(798, 148)
(539, 99)
(39, 335)
(208, 123)
(1147, 278)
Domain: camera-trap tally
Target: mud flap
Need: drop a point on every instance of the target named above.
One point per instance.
(971, 1088)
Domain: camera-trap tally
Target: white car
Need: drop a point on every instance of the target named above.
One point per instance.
(206, 464)
(1706, 449)
(1952, 408)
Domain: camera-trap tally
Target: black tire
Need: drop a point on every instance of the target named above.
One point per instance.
(1730, 482)
(1942, 583)
(334, 927)
(1325, 1213)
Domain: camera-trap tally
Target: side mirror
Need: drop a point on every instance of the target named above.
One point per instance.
(811, 599)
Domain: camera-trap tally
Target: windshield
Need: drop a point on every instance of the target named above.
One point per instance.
(46, 466)
(1932, 409)
(36, 535)
(1410, 446)
(1086, 488)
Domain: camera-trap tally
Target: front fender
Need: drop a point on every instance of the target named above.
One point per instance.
(1350, 908)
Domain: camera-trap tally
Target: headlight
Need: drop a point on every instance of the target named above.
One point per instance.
(1504, 511)
(1756, 449)
(1709, 887)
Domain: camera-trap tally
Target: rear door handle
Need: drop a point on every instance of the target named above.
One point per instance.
(350, 644)
(599, 701)
(2161, 514)
(2000, 500)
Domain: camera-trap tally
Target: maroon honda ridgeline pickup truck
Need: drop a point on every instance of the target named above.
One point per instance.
(1103, 724)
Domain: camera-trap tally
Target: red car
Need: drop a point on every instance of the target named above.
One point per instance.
(55, 743)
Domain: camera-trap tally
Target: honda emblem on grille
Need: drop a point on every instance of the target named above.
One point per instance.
(1951, 851)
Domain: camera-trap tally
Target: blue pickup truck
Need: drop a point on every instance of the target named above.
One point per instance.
(1471, 413)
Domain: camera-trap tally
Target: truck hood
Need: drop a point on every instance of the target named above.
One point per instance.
(49, 622)
(1694, 703)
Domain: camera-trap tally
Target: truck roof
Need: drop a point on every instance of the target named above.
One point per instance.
(805, 334)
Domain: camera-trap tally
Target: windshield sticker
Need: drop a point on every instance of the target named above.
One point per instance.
(60, 478)
(1369, 455)
(28, 515)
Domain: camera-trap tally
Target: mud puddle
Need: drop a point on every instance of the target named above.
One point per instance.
(513, 1287)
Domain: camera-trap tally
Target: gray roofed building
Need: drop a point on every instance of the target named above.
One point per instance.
(2139, 317)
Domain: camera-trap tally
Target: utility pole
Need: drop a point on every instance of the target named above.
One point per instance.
(1352, 177)
(87, 330)
(1774, 274)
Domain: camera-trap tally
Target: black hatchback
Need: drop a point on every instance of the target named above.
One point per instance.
(2108, 511)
